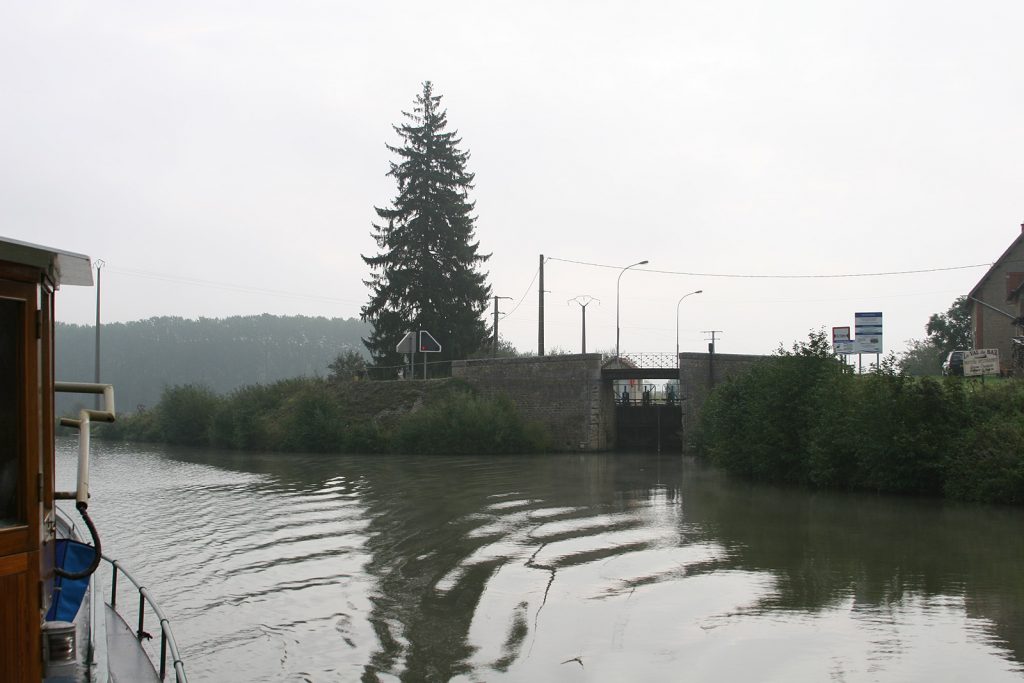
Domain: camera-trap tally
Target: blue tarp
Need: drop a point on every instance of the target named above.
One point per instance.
(72, 556)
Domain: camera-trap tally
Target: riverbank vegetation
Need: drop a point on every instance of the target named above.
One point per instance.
(142, 357)
(332, 416)
(801, 417)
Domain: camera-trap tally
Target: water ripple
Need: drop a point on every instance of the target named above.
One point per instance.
(602, 568)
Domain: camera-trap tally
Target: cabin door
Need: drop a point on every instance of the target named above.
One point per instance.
(21, 456)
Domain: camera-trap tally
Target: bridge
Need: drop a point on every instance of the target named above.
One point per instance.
(573, 396)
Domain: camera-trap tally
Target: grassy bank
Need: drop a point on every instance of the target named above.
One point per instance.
(316, 415)
(799, 417)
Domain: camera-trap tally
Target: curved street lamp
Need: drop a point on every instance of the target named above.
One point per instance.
(699, 291)
(639, 263)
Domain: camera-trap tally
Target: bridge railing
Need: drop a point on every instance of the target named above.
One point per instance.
(659, 359)
(640, 401)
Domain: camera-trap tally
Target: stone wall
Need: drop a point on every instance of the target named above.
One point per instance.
(568, 396)
(698, 374)
(564, 393)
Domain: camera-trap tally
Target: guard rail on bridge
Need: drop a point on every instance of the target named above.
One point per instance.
(659, 360)
(642, 366)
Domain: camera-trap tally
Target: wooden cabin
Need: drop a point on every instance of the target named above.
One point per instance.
(29, 277)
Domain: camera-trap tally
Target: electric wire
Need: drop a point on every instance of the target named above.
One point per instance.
(776, 276)
(527, 291)
(296, 295)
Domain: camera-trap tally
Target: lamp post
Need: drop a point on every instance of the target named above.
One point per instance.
(699, 291)
(640, 263)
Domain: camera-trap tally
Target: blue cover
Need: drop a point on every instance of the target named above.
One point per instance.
(72, 556)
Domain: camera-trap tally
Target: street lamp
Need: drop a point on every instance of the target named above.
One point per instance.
(699, 291)
(641, 263)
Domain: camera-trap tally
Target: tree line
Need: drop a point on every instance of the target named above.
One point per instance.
(141, 358)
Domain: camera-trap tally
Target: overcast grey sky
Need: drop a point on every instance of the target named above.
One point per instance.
(224, 158)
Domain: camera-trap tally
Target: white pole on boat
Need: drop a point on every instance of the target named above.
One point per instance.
(82, 491)
(85, 417)
(99, 269)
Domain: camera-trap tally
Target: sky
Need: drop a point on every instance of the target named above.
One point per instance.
(225, 158)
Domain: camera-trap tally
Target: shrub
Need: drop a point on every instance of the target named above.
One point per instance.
(757, 424)
(186, 414)
(316, 415)
(990, 466)
(797, 417)
(464, 423)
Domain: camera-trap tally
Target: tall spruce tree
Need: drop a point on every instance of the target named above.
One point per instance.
(425, 276)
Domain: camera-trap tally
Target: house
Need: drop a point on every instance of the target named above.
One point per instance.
(998, 305)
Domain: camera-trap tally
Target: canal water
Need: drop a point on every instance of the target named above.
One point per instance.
(617, 567)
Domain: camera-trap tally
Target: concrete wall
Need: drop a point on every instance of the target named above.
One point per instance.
(698, 374)
(565, 393)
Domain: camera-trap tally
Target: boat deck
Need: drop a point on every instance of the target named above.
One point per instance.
(126, 660)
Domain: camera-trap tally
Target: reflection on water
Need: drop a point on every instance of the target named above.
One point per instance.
(554, 568)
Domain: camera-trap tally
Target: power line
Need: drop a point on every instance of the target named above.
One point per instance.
(777, 277)
(523, 297)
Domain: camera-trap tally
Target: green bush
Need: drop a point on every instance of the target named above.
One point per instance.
(316, 415)
(757, 424)
(309, 421)
(991, 465)
(464, 423)
(186, 414)
(799, 417)
(363, 437)
(143, 425)
(242, 419)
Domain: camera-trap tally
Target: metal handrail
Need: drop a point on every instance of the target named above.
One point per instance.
(167, 641)
(635, 401)
(648, 359)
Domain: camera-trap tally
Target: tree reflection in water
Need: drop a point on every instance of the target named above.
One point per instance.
(588, 567)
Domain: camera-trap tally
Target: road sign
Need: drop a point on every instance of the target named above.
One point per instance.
(869, 332)
(868, 323)
(428, 344)
(841, 342)
(408, 343)
(981, 362)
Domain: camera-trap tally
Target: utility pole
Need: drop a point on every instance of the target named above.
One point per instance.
(584, 300)
(711, 346)
(540, 309)
(494, 344)
(99, 269)
(711, 357)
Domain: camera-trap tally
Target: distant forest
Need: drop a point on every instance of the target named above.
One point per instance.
(140, 358)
